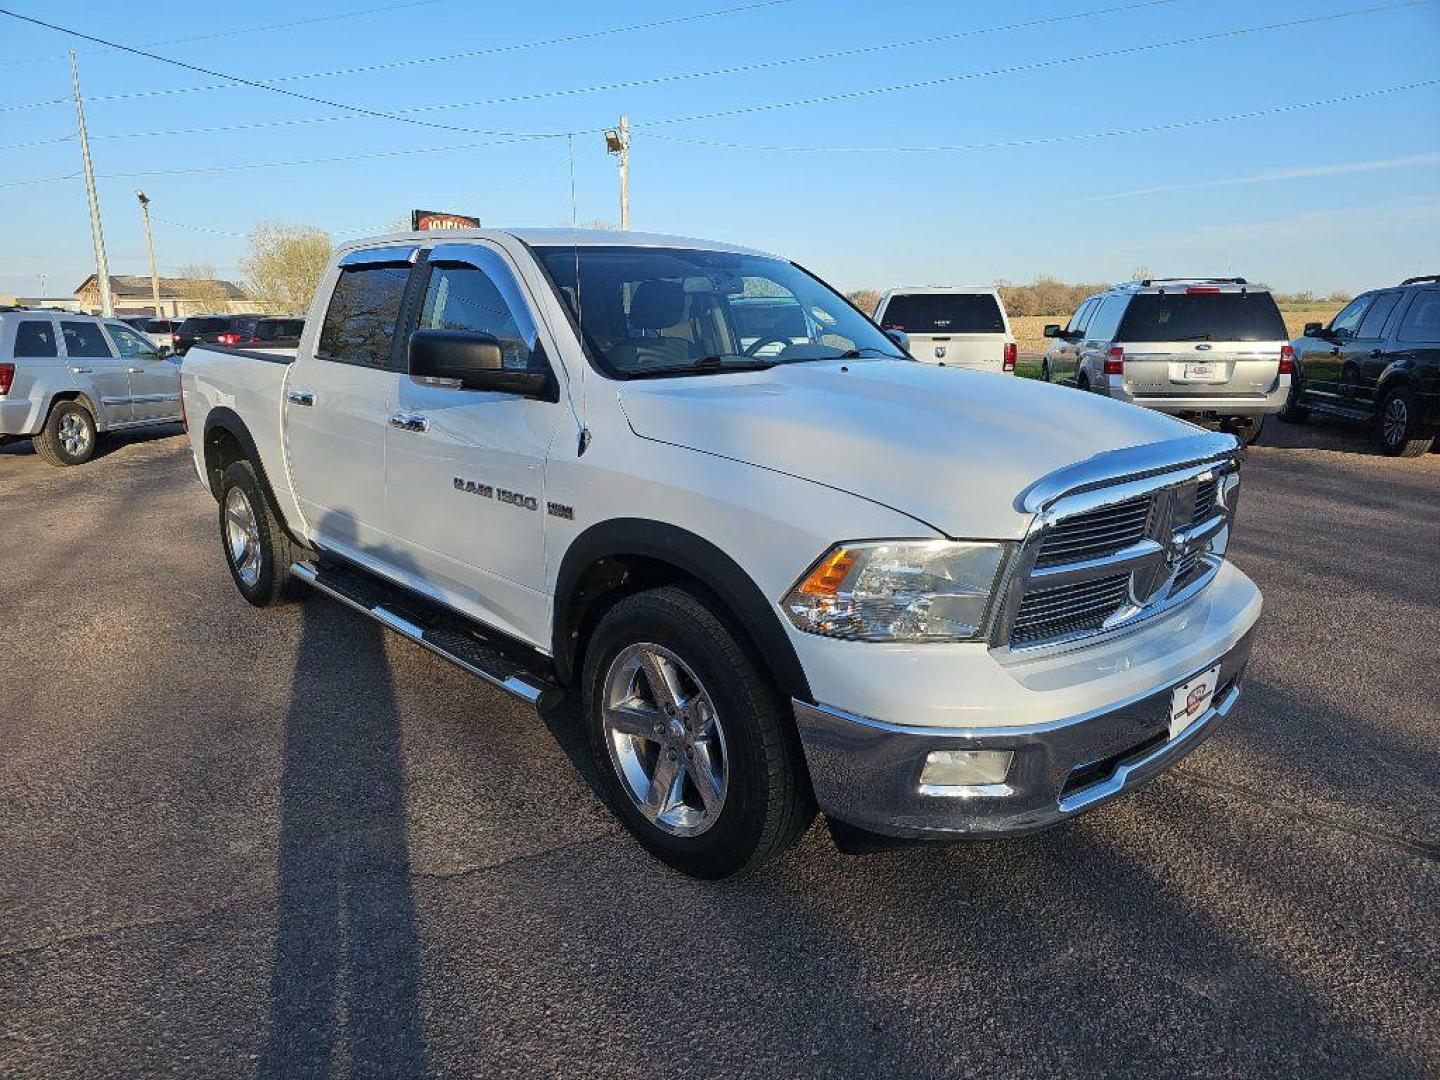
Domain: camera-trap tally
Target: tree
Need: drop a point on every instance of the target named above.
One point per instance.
(200, 289)
(864, 299)
(285, 264)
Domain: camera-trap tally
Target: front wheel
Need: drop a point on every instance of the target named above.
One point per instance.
(257, 549)
(693, 745)
(1400, 435)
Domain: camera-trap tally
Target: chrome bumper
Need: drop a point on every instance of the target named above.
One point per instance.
(867, 772)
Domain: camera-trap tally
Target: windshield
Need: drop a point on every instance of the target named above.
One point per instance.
(674, 311)
(943, 313)
(1219, 316)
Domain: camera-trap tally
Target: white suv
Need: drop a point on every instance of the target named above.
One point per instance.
(66, 378)
(1208, 349)
(952, 325)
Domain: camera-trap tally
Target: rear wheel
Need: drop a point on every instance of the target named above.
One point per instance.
(1245, 428)
(1082, 381)
(1400, 435)
(257, 549)
(1292, 412)
(69, 435)
(693, 746)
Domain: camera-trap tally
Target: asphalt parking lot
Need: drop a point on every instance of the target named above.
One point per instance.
(235, 841)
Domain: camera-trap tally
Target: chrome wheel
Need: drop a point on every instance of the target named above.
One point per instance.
(665, 739)
(1395, 421)
(242, 537)
(74, 434)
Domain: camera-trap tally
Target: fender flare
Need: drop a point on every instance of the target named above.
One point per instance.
(228, 420)
(695, 556)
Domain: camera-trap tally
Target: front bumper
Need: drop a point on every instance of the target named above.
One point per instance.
(867, 772)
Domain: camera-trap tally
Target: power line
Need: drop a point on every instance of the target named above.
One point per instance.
(16, 62)
(1045, 140)
(491, 50)
(863, 50)
(1036, 65)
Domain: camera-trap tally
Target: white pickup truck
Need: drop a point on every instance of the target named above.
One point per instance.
(772, 573)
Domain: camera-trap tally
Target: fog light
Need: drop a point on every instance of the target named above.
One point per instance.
(966, 772)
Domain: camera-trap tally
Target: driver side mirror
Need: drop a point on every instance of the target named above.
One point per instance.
(1315, 329)
(900, 338)
(1054, 330)
(472, 361)
(162, 351)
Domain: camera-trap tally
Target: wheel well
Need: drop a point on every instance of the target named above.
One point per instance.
(618, 558)
(72, 395)
(222, 449)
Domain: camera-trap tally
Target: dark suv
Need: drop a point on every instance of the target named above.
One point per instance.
(206, 330)
(1377, 362)
(269, 331)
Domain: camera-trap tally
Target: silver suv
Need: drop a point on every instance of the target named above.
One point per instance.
(1209, 349)
(66, 378)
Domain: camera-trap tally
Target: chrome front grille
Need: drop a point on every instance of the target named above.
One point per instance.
(1069, 609)
(1095, 534)
(1101, 558)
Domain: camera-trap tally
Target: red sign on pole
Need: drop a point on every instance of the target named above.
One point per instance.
(429, 220)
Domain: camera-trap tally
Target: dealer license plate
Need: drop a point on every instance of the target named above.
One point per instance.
(1199, 373)
(1188, 701)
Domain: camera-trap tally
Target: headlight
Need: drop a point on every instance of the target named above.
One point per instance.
(899, 590)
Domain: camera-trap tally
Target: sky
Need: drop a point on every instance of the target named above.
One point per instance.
(913, 142)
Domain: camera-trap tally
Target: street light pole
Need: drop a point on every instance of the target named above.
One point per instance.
(150, 250)
(102, 266)
(617, 141)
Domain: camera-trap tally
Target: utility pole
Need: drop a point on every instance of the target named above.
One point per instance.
(150, 249)
(617, 141)
(102, 267)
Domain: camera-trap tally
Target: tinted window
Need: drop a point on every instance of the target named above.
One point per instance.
(360, 322)
(1226, 316)
(464, 298)
(661, 310)
(204, 326)
(1106, 319)
(84, 339)
(1373, 325)
(35, 339)
(1081, 317)
(1422, 321)
(944, 313)
(1344, 324)
(129, 342)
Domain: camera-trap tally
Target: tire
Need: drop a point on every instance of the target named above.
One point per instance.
(257, 550)
(1292, 412)
(1246, 429)
(1082, 381)
(69, 435)
(730, 721)
(1399, 432)
(1045, 370)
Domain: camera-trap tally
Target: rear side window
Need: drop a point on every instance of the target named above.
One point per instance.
(1081, 317)
(1221, 316)
(84, 339)
(35, 339)
(273, 329)
(360, 323)
(1422, 321)
(204, 326)
(944, 313)
(1374, 324)
(1106, 319)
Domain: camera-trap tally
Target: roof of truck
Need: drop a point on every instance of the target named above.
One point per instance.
(557, 237)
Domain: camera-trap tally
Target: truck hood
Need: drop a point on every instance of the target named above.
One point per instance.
(953, 448)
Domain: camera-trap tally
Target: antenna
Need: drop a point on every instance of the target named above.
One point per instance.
(579, 305)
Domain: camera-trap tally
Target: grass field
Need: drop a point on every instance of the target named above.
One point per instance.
(1029, 331)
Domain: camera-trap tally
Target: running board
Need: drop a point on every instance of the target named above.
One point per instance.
(427, 624)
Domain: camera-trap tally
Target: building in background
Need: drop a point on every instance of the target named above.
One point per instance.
(179, 297)
(67, 303)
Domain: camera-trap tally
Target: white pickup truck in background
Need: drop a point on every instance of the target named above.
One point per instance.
(775, 567)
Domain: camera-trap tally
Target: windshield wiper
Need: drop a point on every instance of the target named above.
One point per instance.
(1196, 337)
(706, 365)
(865, 350)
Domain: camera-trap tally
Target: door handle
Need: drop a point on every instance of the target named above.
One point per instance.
(300, 397)
(135, 370)
(1374, 352)
(410, 422)
(81, 370)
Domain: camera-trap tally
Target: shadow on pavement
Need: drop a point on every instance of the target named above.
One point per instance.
(347, 956)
